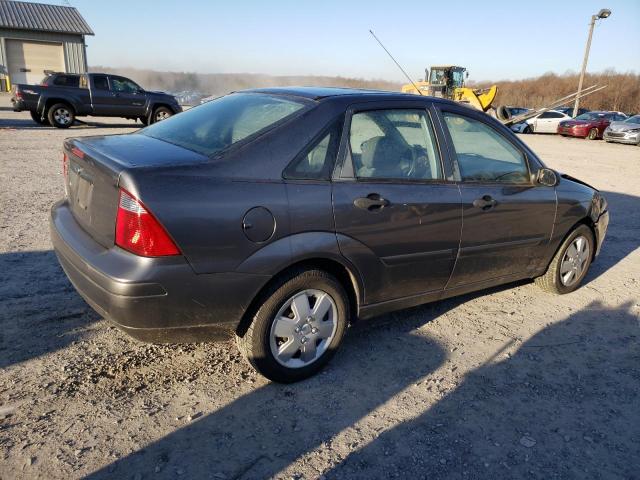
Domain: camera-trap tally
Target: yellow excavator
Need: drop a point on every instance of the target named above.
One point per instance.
(447, 81)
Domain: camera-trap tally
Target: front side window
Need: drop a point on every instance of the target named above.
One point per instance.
(394, 144)
(483, 154)
(216, 125)
(123, 85)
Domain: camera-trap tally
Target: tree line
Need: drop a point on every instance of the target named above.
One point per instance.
(622, 92)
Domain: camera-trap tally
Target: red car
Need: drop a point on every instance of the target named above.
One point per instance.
(589, 125)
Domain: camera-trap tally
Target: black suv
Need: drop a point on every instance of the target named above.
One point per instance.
(61, 97)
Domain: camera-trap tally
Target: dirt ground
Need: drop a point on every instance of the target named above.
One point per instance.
(507, 383)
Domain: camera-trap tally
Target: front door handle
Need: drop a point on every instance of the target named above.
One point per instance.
(372, 202)
(486, 202)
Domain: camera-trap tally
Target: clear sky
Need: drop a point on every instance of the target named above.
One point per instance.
(493, 39)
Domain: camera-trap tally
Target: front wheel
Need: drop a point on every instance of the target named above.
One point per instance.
(297, 327)
(570, 264)
(593, 134)
(61, 115)
(528, 129)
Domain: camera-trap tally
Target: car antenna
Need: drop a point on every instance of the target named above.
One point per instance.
(394, 60)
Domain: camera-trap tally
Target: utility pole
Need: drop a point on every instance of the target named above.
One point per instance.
(604, 13)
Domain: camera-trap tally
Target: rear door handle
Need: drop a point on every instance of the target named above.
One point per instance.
(485, 202)
(372, 202)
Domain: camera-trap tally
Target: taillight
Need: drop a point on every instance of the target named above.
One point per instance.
(138, 231)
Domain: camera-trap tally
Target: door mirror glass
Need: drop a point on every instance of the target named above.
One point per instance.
(547, 177)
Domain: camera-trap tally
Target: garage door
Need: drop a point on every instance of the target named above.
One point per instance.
(28, 61)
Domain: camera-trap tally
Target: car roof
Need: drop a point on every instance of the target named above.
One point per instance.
(319, 93)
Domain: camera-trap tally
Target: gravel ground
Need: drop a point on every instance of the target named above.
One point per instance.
(507, 383)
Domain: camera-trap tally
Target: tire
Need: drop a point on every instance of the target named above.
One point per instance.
(503, 113)
(593, 134)
(144, 121)
(61, 115)
(159, 114)
(261, 343)
(528, 129)
(552, 280)
(36, 117)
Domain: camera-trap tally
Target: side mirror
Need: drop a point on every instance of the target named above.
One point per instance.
(140, 90)
(547, 177)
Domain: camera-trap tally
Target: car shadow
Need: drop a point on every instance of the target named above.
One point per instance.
(563, 405)
(40, 312)
(235, 441)
(28, 124)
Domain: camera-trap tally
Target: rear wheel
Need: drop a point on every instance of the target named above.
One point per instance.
(570, 264)
(593, 134)
(297, 327)
(61, 115)
(160, 113)
(38, 118)
(528, 129)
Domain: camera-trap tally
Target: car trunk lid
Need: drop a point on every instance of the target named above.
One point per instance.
(93, 173)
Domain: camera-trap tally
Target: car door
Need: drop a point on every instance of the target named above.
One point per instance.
(544, 123)
(128, 97)
(397, 216)
(507, 217)
(101, 95)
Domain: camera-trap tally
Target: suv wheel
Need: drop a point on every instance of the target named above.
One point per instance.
(593, 134)
(570, 264)
(160, 113)
(297, 327)
(61, 115)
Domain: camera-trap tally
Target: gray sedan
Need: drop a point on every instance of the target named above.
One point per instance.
(279, 216)
(627, 131)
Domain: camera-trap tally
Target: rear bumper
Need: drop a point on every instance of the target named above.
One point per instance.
(152, 299)
(18, 105)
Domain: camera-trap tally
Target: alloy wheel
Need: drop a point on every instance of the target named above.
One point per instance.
(574, 261)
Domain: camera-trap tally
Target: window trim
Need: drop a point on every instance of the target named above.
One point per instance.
(442, 109)
(338, 123)
(344, 169)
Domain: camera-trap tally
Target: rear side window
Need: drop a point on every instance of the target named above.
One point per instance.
(551, 115)
(483, 154)
(67, 81)
(100, 82)
(218, 124)
(316, 161)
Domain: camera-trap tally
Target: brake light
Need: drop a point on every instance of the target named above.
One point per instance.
(139, 232)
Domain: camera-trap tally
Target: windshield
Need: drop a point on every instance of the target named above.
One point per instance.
(589, 116)
(634, 119)
(218, 124)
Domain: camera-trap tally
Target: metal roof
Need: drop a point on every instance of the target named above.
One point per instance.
(42, 17)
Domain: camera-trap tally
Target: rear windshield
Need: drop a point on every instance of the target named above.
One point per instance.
(218, 124)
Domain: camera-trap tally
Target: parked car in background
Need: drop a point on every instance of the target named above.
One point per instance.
(569, 111)
(546, 122)
(589, 125)
(626, 131)
(282, 215)
(515, 111)
(61, 97)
